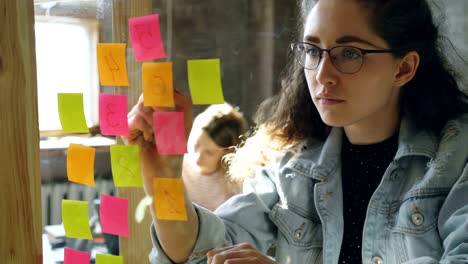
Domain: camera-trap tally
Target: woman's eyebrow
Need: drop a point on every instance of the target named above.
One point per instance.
(312, 39)
(350, 39)
(341, 40)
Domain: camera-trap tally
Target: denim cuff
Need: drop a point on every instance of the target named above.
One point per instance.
(211, 234)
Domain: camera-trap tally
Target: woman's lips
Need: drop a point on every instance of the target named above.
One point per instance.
(330, 101)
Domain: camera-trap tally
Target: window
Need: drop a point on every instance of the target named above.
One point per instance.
(66, 64)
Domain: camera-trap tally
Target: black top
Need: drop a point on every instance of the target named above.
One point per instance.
(362, 169)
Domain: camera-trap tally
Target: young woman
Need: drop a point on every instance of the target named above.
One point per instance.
(216, 132)
(373, 131)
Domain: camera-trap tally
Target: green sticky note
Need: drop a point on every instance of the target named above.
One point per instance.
(205, 81)
(125, 163)
(71, 112)
(75, 219)
(108, 259)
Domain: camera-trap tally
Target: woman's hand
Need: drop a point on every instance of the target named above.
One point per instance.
(140, 122)
(237, 254)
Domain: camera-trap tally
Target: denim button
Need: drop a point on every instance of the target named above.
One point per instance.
(298, 234)
(377, 260)
(417, 218)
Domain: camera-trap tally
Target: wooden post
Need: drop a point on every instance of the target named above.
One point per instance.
(135, 248)
(20, 198)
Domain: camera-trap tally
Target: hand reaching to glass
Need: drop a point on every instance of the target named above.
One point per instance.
(140, 122)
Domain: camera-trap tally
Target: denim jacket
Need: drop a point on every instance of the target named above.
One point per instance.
(418, 213)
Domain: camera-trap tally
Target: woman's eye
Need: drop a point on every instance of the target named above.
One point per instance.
(350, 53)
(209, 153)
(313, 52)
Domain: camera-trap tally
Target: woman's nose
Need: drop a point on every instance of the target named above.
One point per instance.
(326, 73)
(198, 159)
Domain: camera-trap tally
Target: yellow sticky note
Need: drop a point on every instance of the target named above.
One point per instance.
(112, 64)
(169, 199)
(158, 87)
(71, 112)
(80, 164)
(125, 164)
(108, 259)
(75, 219)
(205, 81)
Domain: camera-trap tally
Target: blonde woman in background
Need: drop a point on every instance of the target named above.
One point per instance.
(216, 132)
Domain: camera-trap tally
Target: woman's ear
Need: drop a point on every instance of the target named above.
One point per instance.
(407, 68)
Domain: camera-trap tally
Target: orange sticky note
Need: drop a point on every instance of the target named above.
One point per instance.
(158, 89)
(169, 199)
(80, 164)
(112, 64)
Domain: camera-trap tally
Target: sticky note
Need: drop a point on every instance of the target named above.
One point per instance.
(108, 259)
(71, 112)
(113, 213)
(158, 87)
(112, 64)
(169, 133)
(113, 115)
(75, 219)
(72, 256)
(169, 199)
(145, 35)
(80, 164)
(125, 164)
(205, 81)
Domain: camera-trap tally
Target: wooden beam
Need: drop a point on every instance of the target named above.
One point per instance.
(135, 248)
(20, 198)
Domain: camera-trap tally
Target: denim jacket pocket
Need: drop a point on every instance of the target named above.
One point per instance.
(298, 230)
(416, 215)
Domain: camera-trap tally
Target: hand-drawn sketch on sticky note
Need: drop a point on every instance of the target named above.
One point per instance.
(112, 64)
(80, 164)
(125, 163)
(113, 115)
(169, 199)
(145, 35)
(158, 89)
(205, 81)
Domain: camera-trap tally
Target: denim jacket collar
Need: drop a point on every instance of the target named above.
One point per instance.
(318, 161)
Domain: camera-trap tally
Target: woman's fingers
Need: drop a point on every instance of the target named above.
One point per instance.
(183, 103)
(213, 252)
(241, 253)
(139, 126)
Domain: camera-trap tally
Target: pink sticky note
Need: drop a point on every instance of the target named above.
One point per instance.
(169, 133)
(72, 256)
(113, 115)
(114, 215)
(146, 39)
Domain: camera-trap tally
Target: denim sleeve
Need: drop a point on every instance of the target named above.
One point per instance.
(243, 218)
(453, 225)
(453, 222)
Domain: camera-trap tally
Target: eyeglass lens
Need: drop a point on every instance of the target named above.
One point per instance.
(345, 59)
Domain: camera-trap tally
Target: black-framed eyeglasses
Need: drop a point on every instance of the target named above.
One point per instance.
(346, 59)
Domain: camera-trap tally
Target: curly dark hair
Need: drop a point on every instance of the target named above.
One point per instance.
(429, 100)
